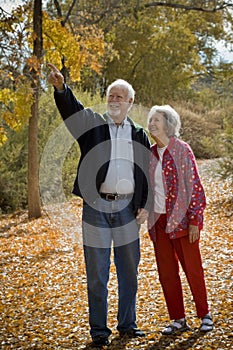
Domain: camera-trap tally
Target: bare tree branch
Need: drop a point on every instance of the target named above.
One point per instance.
(115, 6)
(68, 13)
(58, 8)
(222, 6)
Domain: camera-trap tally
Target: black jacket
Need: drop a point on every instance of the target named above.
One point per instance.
(92, 133)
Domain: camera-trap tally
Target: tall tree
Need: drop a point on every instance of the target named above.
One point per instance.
(34, 207)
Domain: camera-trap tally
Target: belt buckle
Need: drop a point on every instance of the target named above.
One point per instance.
(113, 197)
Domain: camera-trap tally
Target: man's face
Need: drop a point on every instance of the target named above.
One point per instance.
(118, 103)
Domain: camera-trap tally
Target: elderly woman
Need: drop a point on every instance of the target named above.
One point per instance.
(177, 218)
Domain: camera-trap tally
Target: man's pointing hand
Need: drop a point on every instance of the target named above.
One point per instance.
(55, 77)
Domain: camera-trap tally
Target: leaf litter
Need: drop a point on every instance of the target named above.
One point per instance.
(43, 299)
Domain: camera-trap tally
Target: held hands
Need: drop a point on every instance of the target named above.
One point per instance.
(194, 233)
(55, 77)
(142, 215)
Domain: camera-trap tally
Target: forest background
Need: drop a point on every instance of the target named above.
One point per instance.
(167, 50)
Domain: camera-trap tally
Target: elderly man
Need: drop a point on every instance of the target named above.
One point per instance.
(113, 183)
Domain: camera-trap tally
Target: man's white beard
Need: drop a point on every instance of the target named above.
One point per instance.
(114, 112)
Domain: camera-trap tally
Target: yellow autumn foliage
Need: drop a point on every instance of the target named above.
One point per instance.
(16, 106)
(3, 136)
(59, 42)
(78, 50)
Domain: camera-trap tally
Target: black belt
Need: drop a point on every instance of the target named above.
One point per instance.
(115, 196)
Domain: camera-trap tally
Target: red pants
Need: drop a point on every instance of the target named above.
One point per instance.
(168, 252)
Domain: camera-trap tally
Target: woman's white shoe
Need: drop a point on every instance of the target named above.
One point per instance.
(207, 324)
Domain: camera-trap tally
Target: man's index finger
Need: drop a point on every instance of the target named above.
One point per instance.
(54, 69)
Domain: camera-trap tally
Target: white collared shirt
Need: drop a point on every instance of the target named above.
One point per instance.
(120, 175)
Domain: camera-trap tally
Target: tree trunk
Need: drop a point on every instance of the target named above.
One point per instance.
(34, 206)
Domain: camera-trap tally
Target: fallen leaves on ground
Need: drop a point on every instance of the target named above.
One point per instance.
(43, 300)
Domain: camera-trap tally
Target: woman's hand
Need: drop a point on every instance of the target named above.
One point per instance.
(194, 233)
(56, 78)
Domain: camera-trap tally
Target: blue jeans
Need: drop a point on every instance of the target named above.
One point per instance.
(104, 224)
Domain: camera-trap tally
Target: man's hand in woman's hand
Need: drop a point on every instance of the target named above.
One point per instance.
(142, 215)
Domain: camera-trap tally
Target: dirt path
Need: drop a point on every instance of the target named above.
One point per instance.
(43, 302)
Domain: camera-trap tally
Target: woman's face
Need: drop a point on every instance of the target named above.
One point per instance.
(156, 126)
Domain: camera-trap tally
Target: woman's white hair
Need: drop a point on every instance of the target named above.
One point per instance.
(171, 119)
(125, 85)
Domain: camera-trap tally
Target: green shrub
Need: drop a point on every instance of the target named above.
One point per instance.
(226, 162)
(13, 177)
(201, 131)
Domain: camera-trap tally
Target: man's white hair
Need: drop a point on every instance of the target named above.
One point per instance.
(125, 85)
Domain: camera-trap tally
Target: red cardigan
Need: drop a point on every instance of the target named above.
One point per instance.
(185, 196)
